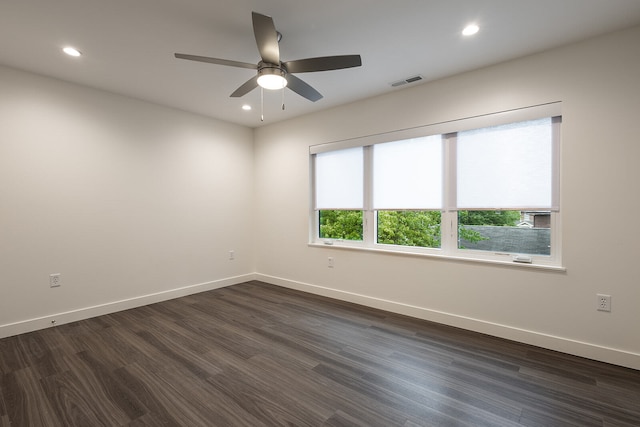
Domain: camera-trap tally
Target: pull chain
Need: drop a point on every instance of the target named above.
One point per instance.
(261, 104)
(282, 99)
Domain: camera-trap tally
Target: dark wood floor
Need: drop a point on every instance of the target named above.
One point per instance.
(258, 355)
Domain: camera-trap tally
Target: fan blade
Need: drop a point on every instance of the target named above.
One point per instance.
(323, 63)
(247, 87)
(302, 88)
(266, 38)
(216, 61)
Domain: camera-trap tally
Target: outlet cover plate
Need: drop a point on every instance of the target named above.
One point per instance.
(604, 302)
(54, 280)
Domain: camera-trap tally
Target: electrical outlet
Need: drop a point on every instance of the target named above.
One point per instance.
(604, 302)
(232, 255)
(54, 280)
(330, 262)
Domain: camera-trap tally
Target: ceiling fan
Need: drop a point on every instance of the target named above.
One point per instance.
(272, 72)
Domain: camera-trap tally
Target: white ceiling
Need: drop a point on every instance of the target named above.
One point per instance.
(128, 45)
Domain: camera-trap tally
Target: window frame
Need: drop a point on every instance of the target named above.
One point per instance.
(449, 214)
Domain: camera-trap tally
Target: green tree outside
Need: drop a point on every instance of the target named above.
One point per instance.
(499, 218)
(410, 228)
(345, 225)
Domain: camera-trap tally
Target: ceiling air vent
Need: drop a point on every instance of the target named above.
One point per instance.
(407, 80)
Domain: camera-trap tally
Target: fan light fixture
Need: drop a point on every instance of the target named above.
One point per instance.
(271, 78)
(71, 51)
(274, 74)
(470, 30)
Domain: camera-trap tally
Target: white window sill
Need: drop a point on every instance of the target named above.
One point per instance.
(404, 252)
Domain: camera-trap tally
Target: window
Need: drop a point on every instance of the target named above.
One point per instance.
(338, 194)
(483, 188)
(407, 209)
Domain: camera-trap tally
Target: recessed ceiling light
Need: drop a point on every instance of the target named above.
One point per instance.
(246, 107)
(71, 51)
(470, 30)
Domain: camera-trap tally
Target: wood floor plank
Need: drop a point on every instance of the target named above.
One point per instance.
(307, 385)
(88, 386)
(436, 387)
(159, 393)
(259, 355)
(73, 404)
(263, 402)
(120, 395)
(217, 407)
(340, 419)
(26, 400)
(156, 412)
(191, 362)
(12, 357)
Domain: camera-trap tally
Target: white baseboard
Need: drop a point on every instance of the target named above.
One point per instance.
(115, 306)
(564, 345)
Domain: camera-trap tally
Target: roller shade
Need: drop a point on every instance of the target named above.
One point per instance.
(507, 167)
(407, 175)
(339, 179)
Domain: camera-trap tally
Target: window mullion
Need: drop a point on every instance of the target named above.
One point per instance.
(449, 232)
(449, 226)
(369, 226)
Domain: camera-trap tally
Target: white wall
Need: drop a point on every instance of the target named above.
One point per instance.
(131, 202)
(597, 81)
